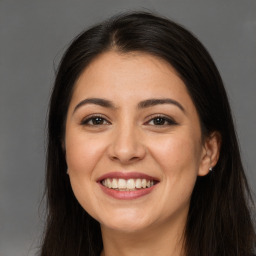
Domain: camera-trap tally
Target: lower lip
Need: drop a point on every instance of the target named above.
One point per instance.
(126, 195)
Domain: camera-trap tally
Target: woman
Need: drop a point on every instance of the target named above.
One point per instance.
(142, 154)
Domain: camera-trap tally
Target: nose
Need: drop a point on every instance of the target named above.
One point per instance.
(126, 146)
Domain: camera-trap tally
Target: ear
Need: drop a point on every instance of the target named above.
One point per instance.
(210, 153)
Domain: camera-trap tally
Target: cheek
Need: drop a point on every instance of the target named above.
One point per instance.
(82, 153)
(177, 154)
(82, 156)
(178, 158)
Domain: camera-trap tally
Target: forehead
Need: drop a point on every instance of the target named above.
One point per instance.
(133, 66)
(133, 75)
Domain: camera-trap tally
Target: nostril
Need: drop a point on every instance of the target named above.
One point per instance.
(114, 158)
(126, 151)
(122, 159)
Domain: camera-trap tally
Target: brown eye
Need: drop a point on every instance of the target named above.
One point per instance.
(161, 121)
(95, 121)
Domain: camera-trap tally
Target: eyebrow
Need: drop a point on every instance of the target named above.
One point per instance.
(96, 101)
(153, 102)
(143, 104)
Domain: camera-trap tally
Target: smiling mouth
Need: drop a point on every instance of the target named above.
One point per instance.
(127, 184)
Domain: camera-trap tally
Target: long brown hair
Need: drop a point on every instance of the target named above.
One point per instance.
(219, 221)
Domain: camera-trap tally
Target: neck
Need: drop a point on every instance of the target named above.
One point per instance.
(164, 240)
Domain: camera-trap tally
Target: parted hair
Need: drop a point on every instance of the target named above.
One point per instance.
(219, 221)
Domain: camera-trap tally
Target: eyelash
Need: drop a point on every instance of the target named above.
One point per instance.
(167, 120)
(92, 118)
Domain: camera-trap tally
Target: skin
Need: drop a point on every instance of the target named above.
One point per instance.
(128, 139)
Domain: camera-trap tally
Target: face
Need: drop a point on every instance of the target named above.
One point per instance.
(133, 142)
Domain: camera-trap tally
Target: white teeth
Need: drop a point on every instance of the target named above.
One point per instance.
(130, 184)
(113, 184)
(138, 183)
(108, 183)
(121, 183)
(144, 183)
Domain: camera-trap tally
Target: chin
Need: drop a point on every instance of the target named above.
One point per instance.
(126, 223)
(125, 227)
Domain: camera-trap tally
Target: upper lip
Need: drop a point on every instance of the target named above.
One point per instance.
(126, 176)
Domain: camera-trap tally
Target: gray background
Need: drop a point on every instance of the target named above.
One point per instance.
(33, 37)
